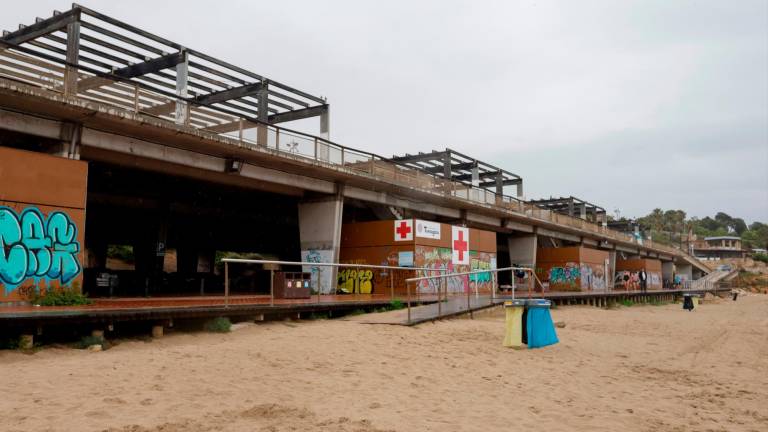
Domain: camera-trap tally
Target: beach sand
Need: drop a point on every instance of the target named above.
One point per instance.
(640, 368)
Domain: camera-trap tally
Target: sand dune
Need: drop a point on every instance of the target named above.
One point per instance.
(633, 369)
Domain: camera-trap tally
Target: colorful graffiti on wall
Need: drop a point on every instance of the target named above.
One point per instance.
(320, 276)
(566, 275)
(37, 247)
(352, 281)
(592, 276)
(439, 258)
(630, 280)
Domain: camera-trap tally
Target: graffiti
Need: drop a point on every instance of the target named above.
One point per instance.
(630, 280)
(566, 275)
(592, 277)
(654, 280)
(355, 281)
(320, 276)
(36, 247)
(477, 264)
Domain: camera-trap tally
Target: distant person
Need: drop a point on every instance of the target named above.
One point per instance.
(643, 276)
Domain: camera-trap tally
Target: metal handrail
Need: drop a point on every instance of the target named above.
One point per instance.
(226, 262)
(493, 272)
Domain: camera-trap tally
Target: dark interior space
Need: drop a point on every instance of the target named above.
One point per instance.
(151, 234)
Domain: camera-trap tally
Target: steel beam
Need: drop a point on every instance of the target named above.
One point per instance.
(297, 114)
(41, 28)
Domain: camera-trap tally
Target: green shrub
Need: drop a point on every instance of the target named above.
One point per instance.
(219, 325)
(396, 305)
(9, 343)
(760, 257)
(60, 297)
(627, 303)
(87, 341)
(357, 312)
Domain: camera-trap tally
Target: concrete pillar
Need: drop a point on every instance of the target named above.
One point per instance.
(262, 130)
(667, 270)
(320, 237)
(522, 250)
(611, 275)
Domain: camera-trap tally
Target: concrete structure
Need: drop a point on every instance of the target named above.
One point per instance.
(714, 248)
(185, 152)
(574, 268)
(627, 273)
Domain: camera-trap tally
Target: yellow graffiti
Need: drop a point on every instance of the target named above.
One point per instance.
(355, 281)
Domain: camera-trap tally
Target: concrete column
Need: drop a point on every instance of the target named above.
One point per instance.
(667, 270)
(320, 237)
(182, 108)
(72, 56)
(522, 250)
(611, 275)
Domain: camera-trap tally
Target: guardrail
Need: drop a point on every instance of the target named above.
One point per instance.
(303, 264)
(494, 286)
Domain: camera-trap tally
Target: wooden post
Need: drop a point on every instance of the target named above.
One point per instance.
(272, 287)
(408, 291)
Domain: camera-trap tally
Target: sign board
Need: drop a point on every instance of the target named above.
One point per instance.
(427, 229)
(404, 230)
(405, 258)
(459, 245)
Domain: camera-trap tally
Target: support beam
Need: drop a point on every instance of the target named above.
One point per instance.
(262, 132)
(225, 95)
(73, 54)
(135, 70)
(42, 28)
(299, 114)
(182, 106)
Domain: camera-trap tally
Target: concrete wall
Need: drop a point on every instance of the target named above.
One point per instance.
(320, 238)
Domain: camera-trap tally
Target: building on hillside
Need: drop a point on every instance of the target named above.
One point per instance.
(714, 248)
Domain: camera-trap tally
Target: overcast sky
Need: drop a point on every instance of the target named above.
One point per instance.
(629, 105)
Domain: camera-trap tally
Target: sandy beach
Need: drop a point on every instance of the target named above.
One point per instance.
(637, 368)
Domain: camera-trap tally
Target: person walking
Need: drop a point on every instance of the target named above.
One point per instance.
(643, 280)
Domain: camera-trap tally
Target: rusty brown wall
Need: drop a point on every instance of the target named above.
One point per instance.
(574, 268)
(627, 270)
(39, 186)
(374, 243)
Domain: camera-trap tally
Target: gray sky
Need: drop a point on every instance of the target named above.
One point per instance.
(628, 104)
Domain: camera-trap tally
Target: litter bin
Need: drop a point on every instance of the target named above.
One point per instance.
(539, 330)
(688, 302)
(735, 295)
(513, 324)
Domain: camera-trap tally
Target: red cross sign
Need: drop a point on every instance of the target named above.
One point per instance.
(404, 230)
(460, 245)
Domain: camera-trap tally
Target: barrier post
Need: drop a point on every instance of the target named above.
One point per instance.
(271, 287)
(439, 300)
(391, 285)
(226, 284)
(469, 300)
(408, 290)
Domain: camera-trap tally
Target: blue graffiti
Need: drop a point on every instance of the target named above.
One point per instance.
(33, 247)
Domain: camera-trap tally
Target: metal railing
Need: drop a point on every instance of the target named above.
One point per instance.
(303, 264)
(468, 292)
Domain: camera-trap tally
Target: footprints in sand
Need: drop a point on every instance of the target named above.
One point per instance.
(263, 417)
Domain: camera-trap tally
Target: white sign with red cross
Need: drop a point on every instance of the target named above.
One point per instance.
(404, 230)
(459, 245)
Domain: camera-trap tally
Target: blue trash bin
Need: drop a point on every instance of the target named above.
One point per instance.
(539, 328)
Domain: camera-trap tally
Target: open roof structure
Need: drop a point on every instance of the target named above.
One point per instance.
(452, 165)
(104, 50)
(572, 206)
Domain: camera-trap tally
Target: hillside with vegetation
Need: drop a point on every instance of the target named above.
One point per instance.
(673, 227)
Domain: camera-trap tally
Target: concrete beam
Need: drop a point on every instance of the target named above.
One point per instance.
(516, 226)
(390, 200)
(144, 149)
(558, 235)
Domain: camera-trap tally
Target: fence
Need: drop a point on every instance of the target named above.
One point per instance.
(494, 291)
(310, 264)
